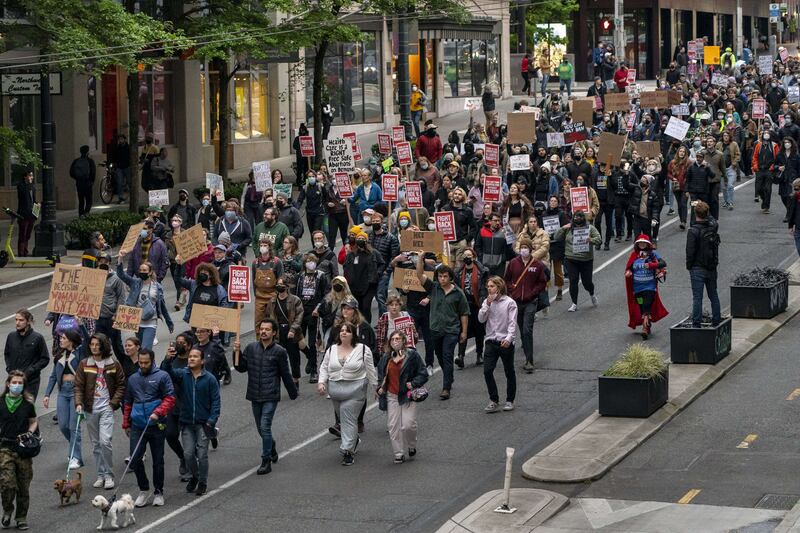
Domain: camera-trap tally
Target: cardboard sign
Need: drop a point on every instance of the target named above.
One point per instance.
(354, 144)
(239, 284)
(405, 279)
(580, 240)
(676, 128)
(654, 99)
(427, 241)
(631, 79)
(390, 184)
(263, 175)
(404, 153)
(793, 94)
(36, 210)
(491, 155)
(759, 108)
(719, 79)
(384, 143)
(680, 110)
(406, 325)
(398, 134)
(339, 154)
(765, 65)
(472, 104)
(521, 128)
(158, 197)
(215, 186)
(343, 185)
(579, 199)
(446, 224)
(711, 55)
(307, 146)
(284, 189)
(520, 162)
(555, 139)
(76, 291)
(674, 97)
(583, 109)
(131, 237)
(574, 132)
(127, 318)
(618, 102)
(784, 55)
(414, 194)
(492, 188)
(610, 148)
(191, 242)
(210, 317)
(648, 148)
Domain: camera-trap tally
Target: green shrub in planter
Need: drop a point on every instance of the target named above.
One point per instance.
(638, 361)
(113, 225)
(636, 385)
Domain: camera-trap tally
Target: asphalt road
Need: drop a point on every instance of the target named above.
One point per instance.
(461, 449)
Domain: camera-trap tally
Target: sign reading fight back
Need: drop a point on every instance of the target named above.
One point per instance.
(239, 284)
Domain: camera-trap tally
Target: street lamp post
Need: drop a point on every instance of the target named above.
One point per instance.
(403, 86)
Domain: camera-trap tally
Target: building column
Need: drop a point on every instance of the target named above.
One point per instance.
(387, 73)
(505, 49)
(188, 121)
(278, 115)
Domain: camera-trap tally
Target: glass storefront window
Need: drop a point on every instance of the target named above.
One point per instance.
(468, 65)
(241, 111)
(155, 105)
(258, 105)
(250, 105)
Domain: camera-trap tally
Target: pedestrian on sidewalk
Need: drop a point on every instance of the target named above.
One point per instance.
(17, 417)
(418, 99)
(526, 279)
(526, 87)
(120, 157)
(702, 258)
(26, 198)
(26, 350)
(267, 364)
(793, 217)
(83, 171)
(565, 72)
(499, 313)
(645, 268)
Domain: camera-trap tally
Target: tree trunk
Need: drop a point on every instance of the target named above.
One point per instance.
(223, 116)
(319, 79)
(133, 140)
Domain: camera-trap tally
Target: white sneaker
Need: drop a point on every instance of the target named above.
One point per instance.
(158, 500)
(430, 370)
(508, 406)
(74, 464)
(594, 300)
(573, 308)
(143, 499)
(99, 483)
(109, 484)
(155, 341)
(491, 408)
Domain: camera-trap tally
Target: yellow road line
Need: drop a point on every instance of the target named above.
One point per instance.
(748, 440)
(794, 394)
(689, 496)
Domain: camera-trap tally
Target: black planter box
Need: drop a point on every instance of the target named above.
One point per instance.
(632, 397)
(759, 302)
(705, 346)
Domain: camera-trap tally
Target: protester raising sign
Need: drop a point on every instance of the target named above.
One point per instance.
(262, 175)
(211, 317)
(555, 139)
(406, 325)
(384, 143)
(339, 154)
(574, 132)
(404, 153)
(390, 184)
(127, 318)
(215, 186)
(492, 188)
(405, 279)
(158, 197)
(676, 128)
(398, 134)
(239, 284)
(131, 237)
(579, 199)
(427, 241)
(491, 155)
(446, 224)
(307, 146)
(759, 108)
(519, 162)
(343, 185)
(190, 243)
(77, 291)
(414, 194)
(354, 144)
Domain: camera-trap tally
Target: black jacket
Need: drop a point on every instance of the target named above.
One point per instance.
(26, 197)
(466, 227)
(265, 368)
(413, 371)
(214, 358)
(697, 179)
(388, 247)
(793, 215)
(27, 353)
(655, 201)
(702, 245)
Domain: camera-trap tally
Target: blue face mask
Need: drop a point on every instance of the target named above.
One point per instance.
(143, 234)
(312, 181)
(205, 202)
(16, 388)
(230, 215)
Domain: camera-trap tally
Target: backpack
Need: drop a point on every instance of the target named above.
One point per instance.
(708, 253)
(80, 169)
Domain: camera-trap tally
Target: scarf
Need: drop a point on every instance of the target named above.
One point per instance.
(13, 402)
(146, 248)
(474, 282)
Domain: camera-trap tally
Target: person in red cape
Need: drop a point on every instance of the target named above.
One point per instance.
(642, 273)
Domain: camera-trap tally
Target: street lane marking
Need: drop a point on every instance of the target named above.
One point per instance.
(689, 496)
(34, 306)
(748, 440)
(795, 393)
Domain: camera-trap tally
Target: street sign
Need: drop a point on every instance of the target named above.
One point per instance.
(24, 84)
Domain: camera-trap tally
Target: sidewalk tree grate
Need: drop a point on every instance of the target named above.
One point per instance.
(778, 502)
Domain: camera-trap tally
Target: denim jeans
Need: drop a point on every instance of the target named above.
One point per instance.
(263, 413)
(423, 324)
(416, 116)
(195, 450)
(493, 351)
(526, 315)
(68, 419)
(121, 176)
(702, 278)
(445, 347)
(383, 291)
(155, 437)
(730, 179)
(568, 84)
(100, 427)
(147, 335)
(545, 80)
(669, 194)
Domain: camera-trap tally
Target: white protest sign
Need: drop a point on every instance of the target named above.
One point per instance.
(158, 197)
(472, 104)
(793, 94)
(339, 154)
(680, 110)
(263, 175)
(551, 224)
(677, 128)
(580, 240)
(555, 139)
(520, 162)
(215, 186)
(765, 65)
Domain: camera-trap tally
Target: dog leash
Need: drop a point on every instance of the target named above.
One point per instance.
(74, 442)
(127, 466)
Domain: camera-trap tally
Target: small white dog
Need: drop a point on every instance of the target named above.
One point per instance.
(115, 515)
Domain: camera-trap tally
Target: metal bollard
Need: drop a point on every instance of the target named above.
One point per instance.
(505, 507)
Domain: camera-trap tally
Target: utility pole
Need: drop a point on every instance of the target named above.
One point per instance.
(49, 233)
(619, 30)
(739, 30)
(403, 86)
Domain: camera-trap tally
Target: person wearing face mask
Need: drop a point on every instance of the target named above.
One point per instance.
(645, 267)
(491, 246)
(205, 289)
(287, 311)
(789, 129)
(362, 268)
(765, 155)
(429, 145)
(184, 209)
(645, 207)
(621, 183)
(115, 293)
(577, 166)
(148, 294)
(425, 171)
(148, 248)
(252, 200)
(788, 166)
(290, 216)
(266, 270)
(551, 220)
(312, 286)
(646, 131)
(731, 156)
(236, 226)
(403, 221)
(387, 246)
(206, 216)
(176, 269)
(417, 106)
(325, 258)
(466, 227)
(775, 95)
(578, 259)
(716, 164)
(177, 354)
(526, 278)
(312, 195)
(471, 279)
(365, 196)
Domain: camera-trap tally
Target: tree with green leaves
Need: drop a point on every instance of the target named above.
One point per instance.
(540, 15)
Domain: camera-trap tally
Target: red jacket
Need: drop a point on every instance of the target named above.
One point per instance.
(429, 146)
(531, 283)
(524, 65)
(621, 78)
(775, 151)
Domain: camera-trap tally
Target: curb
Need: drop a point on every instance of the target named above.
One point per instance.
(565, 462)
(533, 508)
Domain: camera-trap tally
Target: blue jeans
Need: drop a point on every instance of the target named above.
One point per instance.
(670, 196)
(568, 84)
(700, 278)
(545, 79)
(727, 190)
(68, 418)
(263, 413)
(416, 116)
(383, 292)
(147, 335)
(155, 437)
(445, 346)
(195, 451)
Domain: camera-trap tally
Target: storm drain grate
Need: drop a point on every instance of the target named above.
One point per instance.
(778, 502)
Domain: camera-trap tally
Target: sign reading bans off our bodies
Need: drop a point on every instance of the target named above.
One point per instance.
(77, 291)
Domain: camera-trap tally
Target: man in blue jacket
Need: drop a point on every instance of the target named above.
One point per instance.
(199, 396)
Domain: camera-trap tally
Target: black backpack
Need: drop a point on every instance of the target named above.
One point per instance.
(708, 250)
(80, 169)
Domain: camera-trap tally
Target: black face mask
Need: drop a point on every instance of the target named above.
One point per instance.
(281, 289)
(143, 275)
(361, 244)
(202, 277)
(180, 349)
(467, 260)
(580, 221)
(103, 267)
(338, 288)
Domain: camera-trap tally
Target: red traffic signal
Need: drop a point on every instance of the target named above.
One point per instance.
(607, 24)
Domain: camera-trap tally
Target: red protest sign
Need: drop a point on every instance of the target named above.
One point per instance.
(631, 79)
(384, 143)
(398, 134)
(446, 224)
(307, 146)
(239, 284)
(492, 187)
(579, 198)
(414, 194)
(354, 143)
(491, 154)
(343, 185)
(404, 153)
(759, 108)
(390, 182)
(406, 325)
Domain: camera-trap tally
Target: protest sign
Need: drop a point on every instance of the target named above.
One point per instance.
(691, 69)
(676, 128)
(574, 132)
(387, 164)
(239, 284)
(427, 241)
(405, 279)
(765, 65)
(284, 189)
(404, 153)
(521, 128)
(354, 144)
(631, 120)
(520, 162)
(343, 185)
(131, 237)
(215, 186)
(580, 240)
(530, 109)
(446, 224)
(793, 94)
(784, 55)
(579, 199)
(551, 224)
(127, 318)
(384, 143)
(633, 90)
(76, 290)
(610, 85)
(617, 102)
(631, 79)
(263, 175)
(414, 194)
(598, 103)
(555, 139)
(691, 50)
(680, 110)
(406, 325)
(390, 184)
(719, 79)
(491, 155)
(648, 148)
(674, 97)
(36, 210)
(190, 243)
(492, 188)
(654, 99)
(472, 104)
(759, 108)
(307, 146)
(711, 55)
(583, 109)
(398, 134)
(210, 317)
(339, 154)
(610, 148)
(158, 197)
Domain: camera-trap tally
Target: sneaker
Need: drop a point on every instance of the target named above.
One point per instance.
(313, 377)
(682, 226)
(22, 525)
(412, 452)
(756, 199)
(399, 460)
(99, 483)
(479, 360)
(573, 308)
(509, 406)
(335, 430)
(109, 484)
(559, 295)
(265, 468)
(158, 499)
(429, 368)
(274, 455)
(671, 211)
(192, 485)
(459, 361)
(6, 522)
(594, 300)
(227, 379)
(528, 367)
(606, 247)
(348, 459)
(143, 498)
(491, 408)
(201, 489)
(445, 394)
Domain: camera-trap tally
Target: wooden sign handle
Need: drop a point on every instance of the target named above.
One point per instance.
(238, 335)
(608, 165)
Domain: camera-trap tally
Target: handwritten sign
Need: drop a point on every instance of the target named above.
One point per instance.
(719, 79)
(390, 185)
(307, 146)
(77, 291)
(648, 149)
(190, 243)
(555, 139)
(158, 197)
(398, 134)
(282, 189)
(446, 224)
(404, 153)
(414, 241)
(384, 143)
(339, 154)
(354, 144)
(580, 240)
(492, 188)
(676, 128)
(127, 318)
(530, 109)
(414, 194)
(765, 65)
(654, 99)
(680, 110)
(210, 317)
(343, 185)
(618, 102)
(215, 186)
(262, 175)
(472, 104)
(784, 55)
(132, 236)
(759, 108)
(520, 162)
(492, 155)
(405, 279)
(793, 94)
(239, 284)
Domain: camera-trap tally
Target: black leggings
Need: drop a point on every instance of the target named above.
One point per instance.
(365, 301)
(309, 329)
(173, 435)
(645, 301)
(607, 212)
(582, 270)
(621, 216)
(337, 221)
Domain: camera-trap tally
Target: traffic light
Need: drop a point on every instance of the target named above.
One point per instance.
(607, 25)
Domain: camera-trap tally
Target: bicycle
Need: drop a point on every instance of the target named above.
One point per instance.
(107, 184)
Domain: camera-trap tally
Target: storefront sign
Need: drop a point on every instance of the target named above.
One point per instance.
(343, 185)
(384, 143)
(77, 291)
(414, 194)
(404, 153)
(28, 84)
(263, 175)
(446, 224)
(239, 284)
(390, 184)
(339, 154)
(307, 146)
(492, 188)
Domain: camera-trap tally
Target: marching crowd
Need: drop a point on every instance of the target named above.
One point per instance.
(486, 285)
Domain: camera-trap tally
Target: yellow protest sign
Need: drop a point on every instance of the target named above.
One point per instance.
(711, 55)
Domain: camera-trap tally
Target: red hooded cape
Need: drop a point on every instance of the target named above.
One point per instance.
(657, 311)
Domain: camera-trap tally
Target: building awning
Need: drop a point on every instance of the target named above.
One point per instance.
(445, 29)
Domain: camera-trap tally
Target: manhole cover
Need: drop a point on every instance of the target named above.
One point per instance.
(778, 502)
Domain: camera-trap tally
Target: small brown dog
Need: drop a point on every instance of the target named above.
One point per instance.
(66, 488)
